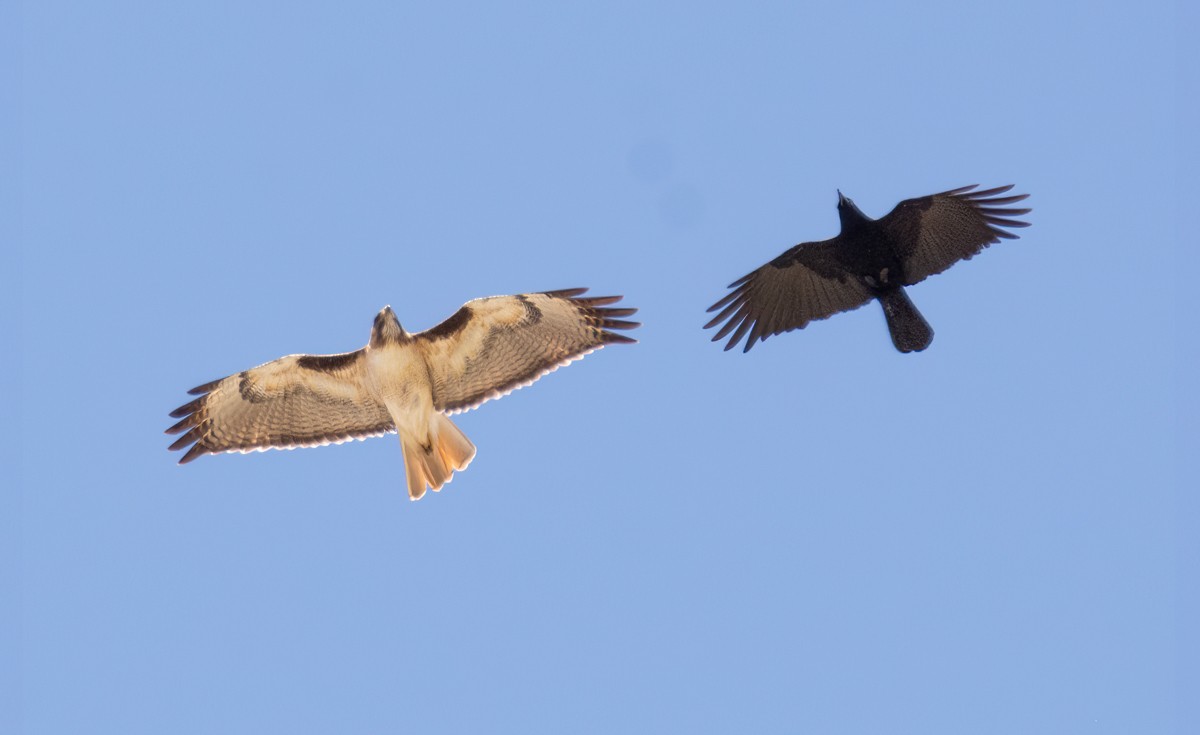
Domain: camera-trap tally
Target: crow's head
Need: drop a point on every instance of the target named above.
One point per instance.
(848, 211)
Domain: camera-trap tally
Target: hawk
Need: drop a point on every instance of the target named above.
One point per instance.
(402, 383)
(869, 259)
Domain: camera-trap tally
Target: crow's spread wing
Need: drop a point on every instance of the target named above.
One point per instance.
(494, 345)
(295, 401)
(803, 284)
(933, 233)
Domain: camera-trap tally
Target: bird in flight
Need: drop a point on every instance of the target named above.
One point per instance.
(869, 259)
(402, 383)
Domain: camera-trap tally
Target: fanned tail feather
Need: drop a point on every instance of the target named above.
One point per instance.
(456, 449)
(431, 467)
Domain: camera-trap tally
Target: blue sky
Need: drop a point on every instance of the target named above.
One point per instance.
(996, 535)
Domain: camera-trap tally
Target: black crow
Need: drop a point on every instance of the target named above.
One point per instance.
(869, 259)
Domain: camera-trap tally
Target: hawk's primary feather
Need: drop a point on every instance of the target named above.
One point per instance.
(492, 346)
(295, 401)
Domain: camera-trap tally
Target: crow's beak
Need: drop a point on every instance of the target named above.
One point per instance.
(841, 199)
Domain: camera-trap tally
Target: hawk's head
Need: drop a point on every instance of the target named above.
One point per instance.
(386, 328)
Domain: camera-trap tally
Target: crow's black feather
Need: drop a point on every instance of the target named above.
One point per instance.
(869, 259)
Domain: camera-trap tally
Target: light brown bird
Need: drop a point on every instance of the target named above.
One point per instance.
(401, 382)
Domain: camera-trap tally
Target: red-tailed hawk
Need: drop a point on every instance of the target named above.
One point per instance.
(870, 259)
(401, 382)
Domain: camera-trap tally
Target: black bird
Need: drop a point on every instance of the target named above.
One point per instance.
(870, 259)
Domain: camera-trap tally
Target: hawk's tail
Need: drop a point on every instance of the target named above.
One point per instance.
(449, 451)
(910, 331)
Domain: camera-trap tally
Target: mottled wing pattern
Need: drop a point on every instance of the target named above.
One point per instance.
(933, 233)
(295, 401)
(803, 284)
(492, 346)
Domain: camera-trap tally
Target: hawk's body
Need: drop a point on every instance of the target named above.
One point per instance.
(401, 382)
(870, 259)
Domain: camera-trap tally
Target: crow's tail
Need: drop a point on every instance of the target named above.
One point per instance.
(910, 331)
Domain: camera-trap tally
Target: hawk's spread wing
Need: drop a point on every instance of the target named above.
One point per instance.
(803, 284)
(295, 401)
(933, 233)
(492, 346)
